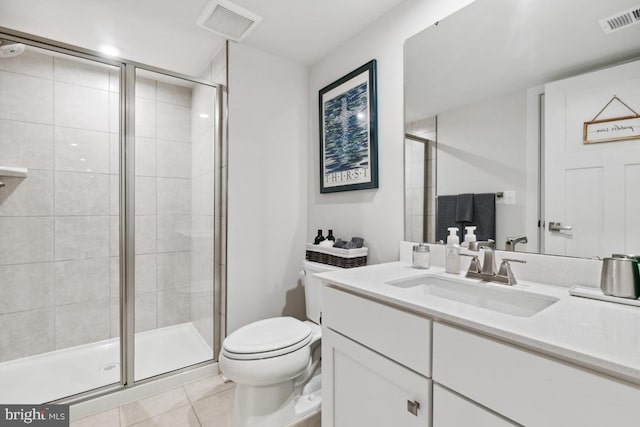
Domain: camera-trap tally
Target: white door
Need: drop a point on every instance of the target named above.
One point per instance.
(361, 388)
(592, 188)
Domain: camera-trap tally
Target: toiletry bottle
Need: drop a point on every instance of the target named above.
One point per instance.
(470, 236)
(330, 236)
(319, 238)
(421, 256)
(452, 252)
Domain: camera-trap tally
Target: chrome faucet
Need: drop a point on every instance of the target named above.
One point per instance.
(510, 244)
(489, 261)
(489, 272)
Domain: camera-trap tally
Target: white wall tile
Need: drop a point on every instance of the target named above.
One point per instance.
(82, 323)
(82, 280)
(174, 307)
(114, 153)
(26, 240)
(145, 195)
(114, 284)
(114, 318)
(81, 193)
(203, 153)
(145, 88)
(81, 107)
(145, 118)
(31, 63)
(26, 333)
(146, 312)
(202, 234)
(174, 122)
(80, 237)
(82, 73)
(202, 271)
(114, 80)
(78, 150)
(145, 156)
(174, 196)
(30, 196)
(145, 234)
(145, 275)
(174, 233)
(114, 236)
(174, 270)
(26, 287)
(114, 112)
(28, 145)
(173, 94)
(24, 98)
(114, 194)
(202, 199)
(173, 159)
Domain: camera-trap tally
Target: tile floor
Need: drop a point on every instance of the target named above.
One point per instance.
(207, 402)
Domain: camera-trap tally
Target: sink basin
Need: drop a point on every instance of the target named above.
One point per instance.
(497, 298)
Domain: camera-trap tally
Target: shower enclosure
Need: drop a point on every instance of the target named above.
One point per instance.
(109, 221)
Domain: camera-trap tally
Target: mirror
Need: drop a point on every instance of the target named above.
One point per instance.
(496, 100)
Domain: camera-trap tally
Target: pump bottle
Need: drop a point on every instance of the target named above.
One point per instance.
(452, 252)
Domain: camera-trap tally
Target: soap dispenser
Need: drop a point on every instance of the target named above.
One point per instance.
(470, 236)
(452, 252)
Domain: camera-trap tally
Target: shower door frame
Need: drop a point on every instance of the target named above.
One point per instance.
(127, 206)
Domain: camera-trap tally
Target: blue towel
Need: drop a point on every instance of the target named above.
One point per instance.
(446, 216)
(464, 208)
(484, 215)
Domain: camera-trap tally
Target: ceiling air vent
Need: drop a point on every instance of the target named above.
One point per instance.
(621, 20)
(228, 20)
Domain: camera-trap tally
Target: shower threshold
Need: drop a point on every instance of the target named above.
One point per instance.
(50, 376)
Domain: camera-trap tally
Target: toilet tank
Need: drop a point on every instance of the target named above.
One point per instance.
(312, 288)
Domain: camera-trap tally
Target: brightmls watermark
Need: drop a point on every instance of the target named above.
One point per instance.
(34, 415)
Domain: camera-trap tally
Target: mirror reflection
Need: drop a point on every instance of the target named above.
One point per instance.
(521, 119)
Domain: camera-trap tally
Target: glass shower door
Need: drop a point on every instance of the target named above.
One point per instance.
(59, 267)
(174, 223)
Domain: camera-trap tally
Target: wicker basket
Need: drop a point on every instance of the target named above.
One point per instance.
(343, 258)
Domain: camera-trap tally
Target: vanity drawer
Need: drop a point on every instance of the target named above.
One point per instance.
(397, 334)
(529, 388)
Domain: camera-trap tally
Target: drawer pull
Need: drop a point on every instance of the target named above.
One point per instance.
(413, 406)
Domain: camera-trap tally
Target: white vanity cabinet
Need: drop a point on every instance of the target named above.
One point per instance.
(376, 361)
(527, 387)
(453, 410)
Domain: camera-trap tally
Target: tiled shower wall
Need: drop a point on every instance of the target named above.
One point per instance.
(57, 118)
(59, 226)
(163, 207)
(418, 162)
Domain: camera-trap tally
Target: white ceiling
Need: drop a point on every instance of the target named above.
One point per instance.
(164, 33)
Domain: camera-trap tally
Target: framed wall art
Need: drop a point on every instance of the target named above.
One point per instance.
(348, 132)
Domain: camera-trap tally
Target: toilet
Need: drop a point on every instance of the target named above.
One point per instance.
(275, 363)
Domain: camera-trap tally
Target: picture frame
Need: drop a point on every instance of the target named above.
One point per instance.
(349, 132)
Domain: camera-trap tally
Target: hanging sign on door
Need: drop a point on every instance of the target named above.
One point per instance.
(612, 129)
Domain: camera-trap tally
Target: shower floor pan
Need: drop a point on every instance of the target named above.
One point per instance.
(57, 374)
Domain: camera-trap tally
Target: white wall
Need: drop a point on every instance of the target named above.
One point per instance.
(378, 214)
(482, 149)
(267, 210)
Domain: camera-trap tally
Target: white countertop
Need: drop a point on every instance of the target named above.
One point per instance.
(599, 335)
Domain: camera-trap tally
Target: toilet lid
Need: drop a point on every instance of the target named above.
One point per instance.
(267, 338)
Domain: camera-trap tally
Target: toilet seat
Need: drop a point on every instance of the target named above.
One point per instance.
(267, 338)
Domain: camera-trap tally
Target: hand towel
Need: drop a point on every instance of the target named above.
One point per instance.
(445, 216)
(464, 208)
(484, 215)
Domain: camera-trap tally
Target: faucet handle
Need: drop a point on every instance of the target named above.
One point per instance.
(505, 270)
(474, 265)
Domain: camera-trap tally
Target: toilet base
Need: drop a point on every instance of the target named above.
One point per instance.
(276, 405)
